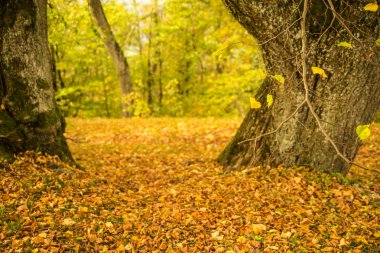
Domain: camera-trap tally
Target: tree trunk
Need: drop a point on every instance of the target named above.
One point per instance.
(29, 117)
(116, 53)
(348, 97)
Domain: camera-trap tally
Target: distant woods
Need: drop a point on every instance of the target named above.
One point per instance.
(186, 58)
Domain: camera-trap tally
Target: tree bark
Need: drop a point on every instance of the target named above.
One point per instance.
(29, 117)
(116, 53)
(348, 97)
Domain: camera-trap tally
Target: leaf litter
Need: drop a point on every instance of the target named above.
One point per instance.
(151, 185)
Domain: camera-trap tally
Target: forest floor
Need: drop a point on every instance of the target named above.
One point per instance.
(151, 185)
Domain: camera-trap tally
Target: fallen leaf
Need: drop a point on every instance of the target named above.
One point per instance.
(258, 228)
(68, 222)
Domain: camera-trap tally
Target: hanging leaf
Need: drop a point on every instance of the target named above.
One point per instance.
(377, 42)
(371, 7)
(254, 103)
(269, 100)
(2, 107)
(344, 44)
(363, 131)
(279, 78)
(319, 71)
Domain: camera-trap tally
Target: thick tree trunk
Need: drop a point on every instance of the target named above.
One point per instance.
(348, 97)
(116, 53)
(29, 117)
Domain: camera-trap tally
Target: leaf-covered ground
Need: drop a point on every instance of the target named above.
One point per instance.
(151, 185)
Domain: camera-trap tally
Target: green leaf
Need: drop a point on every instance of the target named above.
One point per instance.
(279, 78)
(363, 131)
(377, 42)
(344, 44)
(269, 100)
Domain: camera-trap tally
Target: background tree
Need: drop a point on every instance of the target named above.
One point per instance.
(311, 113)
(29, 117)
(116, 52)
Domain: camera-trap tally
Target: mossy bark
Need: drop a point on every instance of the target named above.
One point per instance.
(29, 116)
(348, 97)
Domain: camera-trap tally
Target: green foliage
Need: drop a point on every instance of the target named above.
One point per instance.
(187, 58)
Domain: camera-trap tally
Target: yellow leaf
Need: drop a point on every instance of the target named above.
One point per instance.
(128, 246)
(279, 78)
(109, 225)
(68, 222)
(377, 42)
(269, 100)
(43, 235)
(286, 234)
(2, 107)
(319, 71)
(342, 242)
(363, 131)
(241, 239)
(377, 234)
(371, 7)
(254, 103)
(344, 44)
(258, 228)
(297, 179)
(216, 236)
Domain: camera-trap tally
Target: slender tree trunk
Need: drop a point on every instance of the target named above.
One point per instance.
(29, 117)
(140, 42)
(116, 53)
(53, 67)
(150, 78)
(348, 97)
(157, 67)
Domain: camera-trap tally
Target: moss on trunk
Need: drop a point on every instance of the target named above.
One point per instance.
(31, 119)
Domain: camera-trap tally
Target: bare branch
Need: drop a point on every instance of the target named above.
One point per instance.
(306, 87)
(341, 21)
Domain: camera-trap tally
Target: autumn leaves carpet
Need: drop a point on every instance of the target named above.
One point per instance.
(151, 185)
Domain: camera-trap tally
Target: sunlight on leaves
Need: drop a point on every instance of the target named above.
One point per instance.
(319, 71)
